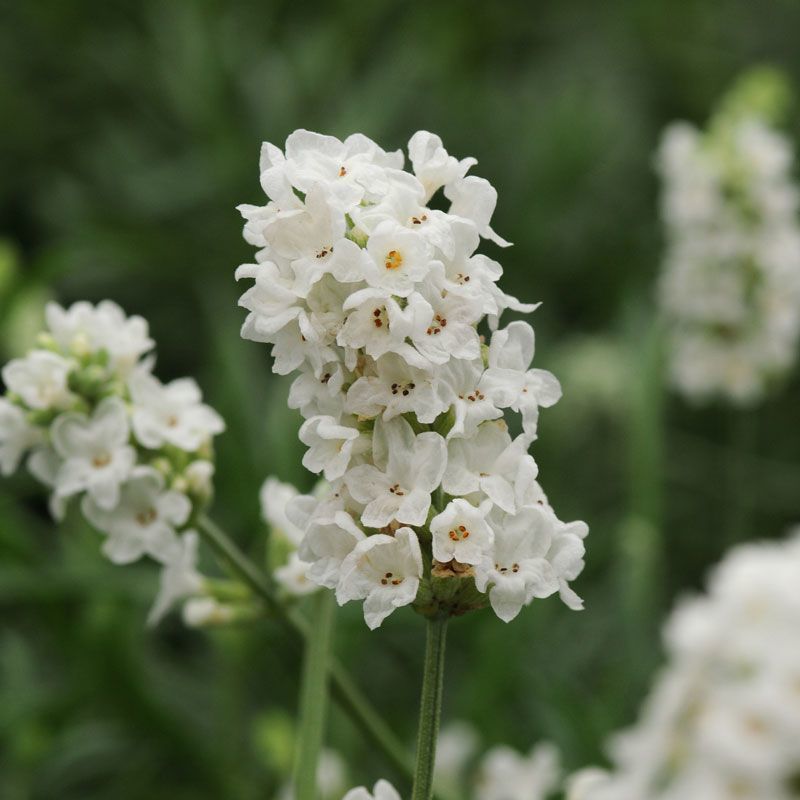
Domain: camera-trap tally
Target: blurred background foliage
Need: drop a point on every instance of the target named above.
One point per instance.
(130, 132)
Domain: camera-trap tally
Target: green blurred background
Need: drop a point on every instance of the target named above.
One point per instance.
(130, 132)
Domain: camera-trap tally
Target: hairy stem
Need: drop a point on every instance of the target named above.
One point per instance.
(343, 687)
(430, 710)
(314, 696)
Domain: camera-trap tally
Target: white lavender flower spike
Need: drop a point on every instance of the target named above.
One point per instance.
(378, 301)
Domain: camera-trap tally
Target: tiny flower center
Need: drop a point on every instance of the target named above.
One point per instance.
(342, 171)
(461, 278)
(503, 570)
(325, 378)
(404, 389)
(388, 578)
(459, 533)
(476, 395)
(101, 460)
(393, 260)
(147, 517)
(172, 421)
(324, 252)
(379, 317)
(436, 326)
(396, 490)
(419, 220)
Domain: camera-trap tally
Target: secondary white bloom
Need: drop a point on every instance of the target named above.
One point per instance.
(96, 455)
(409, 468)
(376, 299)
(723, 719)
(200, 612)
(433, 165)
(40, 380)
(95, 423)
(461, 532)
(510, 355)
(331, 777)
(83, 329)
(171, 413)
(383, 790)
(180, 577)
(457, 743)
(17, 436)
(274, 497)
(330, 446)
(293, 576)
(144, 520)
(730, 288)
(517, 569)
(397, 388)
(327, 543)
(491, 463)
(384, 571)
(508, 775)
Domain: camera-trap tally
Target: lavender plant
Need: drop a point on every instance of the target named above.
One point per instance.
(378, 301)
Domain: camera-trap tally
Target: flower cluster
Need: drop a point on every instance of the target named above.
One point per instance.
(375, 298)
(730, 287)
(91, 421)
(723, 722)
(499, 774)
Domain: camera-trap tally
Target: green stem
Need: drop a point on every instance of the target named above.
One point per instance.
(344, 690)
(314, 696)
(430, 710)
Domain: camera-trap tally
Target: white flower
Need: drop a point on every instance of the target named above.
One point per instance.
(566, 557)
(144, 520)
(383, 790)
(457, 744)
(432, 164)
(330, 446)
(327, 543)
(83, 329)
(517, 569)
(451, 331)
(399, 259)
(409, 468)
(351, 170)
(723, 718)
(475, 399)
(461, 532)
(397, 388)
(95, 451)
(274, 497)
(508, 775)
(491, 463)
(171, 413)
(312, 240)
(199, 612)
(17, 436)
(379, 325)
(510, 355)
(199, 477)
(331, 771)
(384, 571)
(180, 578)
(40, 380)
(730, 285)
(320, 395)
(475, 199)
(294, 576)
